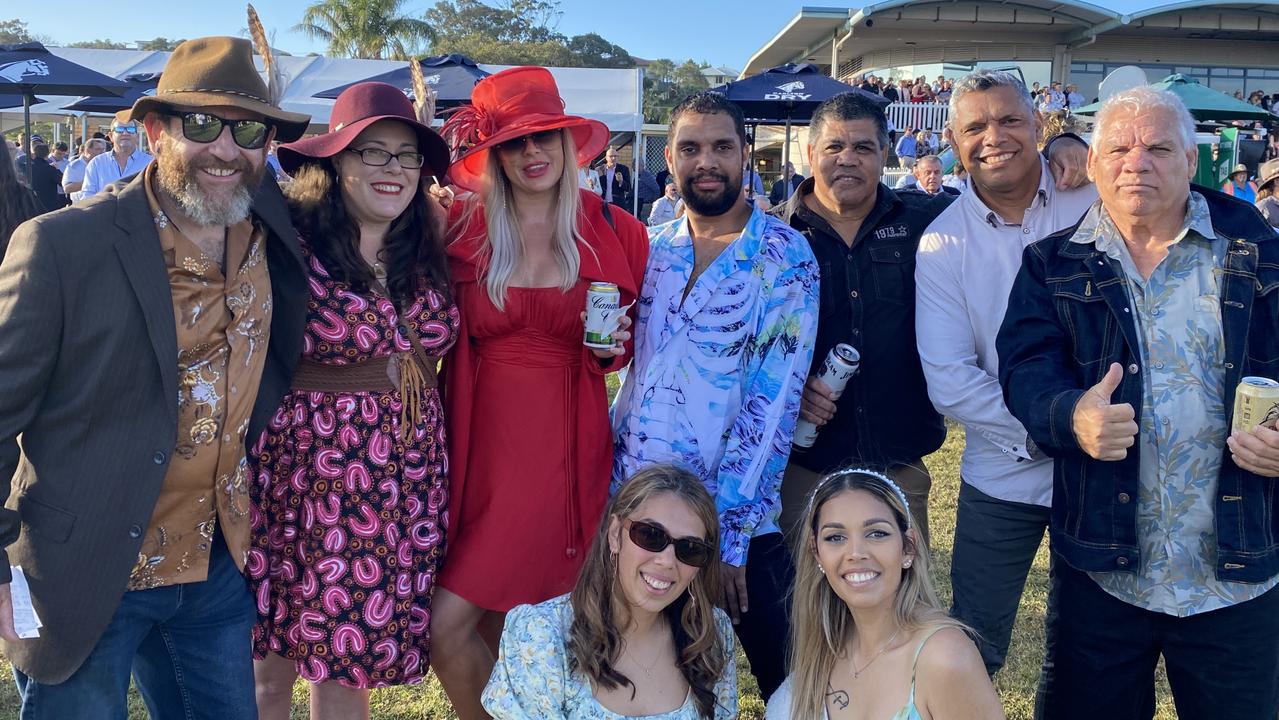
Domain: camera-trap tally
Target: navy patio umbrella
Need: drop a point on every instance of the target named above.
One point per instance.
(138, 85)
(451, 77)
(29, 68)
(785, 95)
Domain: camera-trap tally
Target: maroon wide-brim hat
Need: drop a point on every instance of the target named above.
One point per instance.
(358, 107)
(511, 104)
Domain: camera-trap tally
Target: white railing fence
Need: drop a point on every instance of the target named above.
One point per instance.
(920, 116)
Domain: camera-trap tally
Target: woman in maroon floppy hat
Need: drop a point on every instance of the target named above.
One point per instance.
(352, 470)
(526, 403)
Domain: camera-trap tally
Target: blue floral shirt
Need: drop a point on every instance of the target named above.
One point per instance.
(532, 679)
(1184, 418)
(717, 376)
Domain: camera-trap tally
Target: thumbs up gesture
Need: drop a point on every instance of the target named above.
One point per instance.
(1103, 430)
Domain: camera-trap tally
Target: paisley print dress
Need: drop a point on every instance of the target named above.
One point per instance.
(347, 518)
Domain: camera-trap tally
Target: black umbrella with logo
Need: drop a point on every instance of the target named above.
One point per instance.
(137, 85)
(29, 68)
(452, 77)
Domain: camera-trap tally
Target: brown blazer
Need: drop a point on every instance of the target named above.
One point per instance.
(88, 380)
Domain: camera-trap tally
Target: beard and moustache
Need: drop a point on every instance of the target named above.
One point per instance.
(710, 204)
(179, 179)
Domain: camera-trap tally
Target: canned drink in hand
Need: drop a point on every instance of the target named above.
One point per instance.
(837, 369)
(1256, 403)
(602, 305)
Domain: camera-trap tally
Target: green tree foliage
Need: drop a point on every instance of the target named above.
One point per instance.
(517, 32)
(666, 83)
(102, 44)
(15, 31)
(161, 44)
(369, 29)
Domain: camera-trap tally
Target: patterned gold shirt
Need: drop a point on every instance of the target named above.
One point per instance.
(223, 321)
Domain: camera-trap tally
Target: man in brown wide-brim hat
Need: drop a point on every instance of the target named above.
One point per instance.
(145, 335)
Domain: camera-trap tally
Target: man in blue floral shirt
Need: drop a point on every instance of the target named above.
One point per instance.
(1163, 519)
(726, 323)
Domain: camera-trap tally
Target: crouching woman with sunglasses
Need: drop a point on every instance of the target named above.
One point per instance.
(639, 635)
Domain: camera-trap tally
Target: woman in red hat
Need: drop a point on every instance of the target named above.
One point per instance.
(352, 471)
(525, 399)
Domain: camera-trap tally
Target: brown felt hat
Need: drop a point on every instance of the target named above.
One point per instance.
(212, 71)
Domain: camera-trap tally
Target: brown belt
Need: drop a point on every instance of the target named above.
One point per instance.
(372, 375)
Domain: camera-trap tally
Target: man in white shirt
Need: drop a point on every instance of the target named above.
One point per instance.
(967, 261)
(1074, 100)
(126, 159)
(73, 176)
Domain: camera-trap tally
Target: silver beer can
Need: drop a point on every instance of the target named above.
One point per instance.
(837, 369)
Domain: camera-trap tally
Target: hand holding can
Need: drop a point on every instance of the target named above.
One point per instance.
(837, 369)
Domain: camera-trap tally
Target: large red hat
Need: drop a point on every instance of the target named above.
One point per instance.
(358, 107)
(511, 104)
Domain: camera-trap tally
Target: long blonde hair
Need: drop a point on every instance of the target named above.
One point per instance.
(821, 624)
(504, 248)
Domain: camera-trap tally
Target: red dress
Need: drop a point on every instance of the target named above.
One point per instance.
(527, 413)
(347, 518)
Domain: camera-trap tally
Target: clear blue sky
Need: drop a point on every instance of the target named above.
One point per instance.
(720, 32)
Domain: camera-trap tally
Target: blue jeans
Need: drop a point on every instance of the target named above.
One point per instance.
(188, 647)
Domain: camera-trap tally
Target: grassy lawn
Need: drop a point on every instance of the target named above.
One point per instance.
(1016, 682)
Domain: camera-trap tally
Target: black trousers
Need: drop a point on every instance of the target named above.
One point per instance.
(764, 631)
(1221, 664)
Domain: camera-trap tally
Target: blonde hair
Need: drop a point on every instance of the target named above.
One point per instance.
(504, 248)
(822, 625)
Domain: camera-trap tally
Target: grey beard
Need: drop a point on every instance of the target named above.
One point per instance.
(207, 212)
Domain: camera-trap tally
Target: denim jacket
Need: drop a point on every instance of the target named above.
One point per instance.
(1068, 319)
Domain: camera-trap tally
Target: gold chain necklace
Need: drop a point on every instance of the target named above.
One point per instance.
(852, 661)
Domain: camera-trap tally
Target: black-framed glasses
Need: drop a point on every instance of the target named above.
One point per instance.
(544, 140)
(377, 157)
(694, 552)
(205, 128)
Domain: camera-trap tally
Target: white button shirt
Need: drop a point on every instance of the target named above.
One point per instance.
(967, 261)
(103, 170)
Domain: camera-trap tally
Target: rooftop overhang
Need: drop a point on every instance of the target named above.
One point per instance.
(895, 24)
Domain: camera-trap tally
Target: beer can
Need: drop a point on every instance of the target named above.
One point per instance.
(602, 302)
(1256, 403)
(837, 369)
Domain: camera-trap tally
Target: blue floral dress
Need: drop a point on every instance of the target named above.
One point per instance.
(532, 680)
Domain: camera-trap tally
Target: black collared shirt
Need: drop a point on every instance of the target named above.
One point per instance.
(868, 301)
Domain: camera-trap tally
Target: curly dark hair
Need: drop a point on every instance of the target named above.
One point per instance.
(17, 203)
(413, 254)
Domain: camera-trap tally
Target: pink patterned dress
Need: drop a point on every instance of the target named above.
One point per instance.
(347, 518)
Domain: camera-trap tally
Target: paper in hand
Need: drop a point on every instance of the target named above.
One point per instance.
(25, 620)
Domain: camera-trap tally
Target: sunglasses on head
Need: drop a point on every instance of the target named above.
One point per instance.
(205, 128)
(543, 139)
(691, 551)
(127, 129)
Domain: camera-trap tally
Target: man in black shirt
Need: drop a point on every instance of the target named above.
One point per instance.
(45, 178)
(864, 236)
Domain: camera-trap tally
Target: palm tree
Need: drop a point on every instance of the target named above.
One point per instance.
(369, 29)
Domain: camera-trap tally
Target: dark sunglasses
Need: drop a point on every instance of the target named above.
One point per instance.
(376, 157)
(691, 551)
(126, 129)
(205, 128)
(543, 139)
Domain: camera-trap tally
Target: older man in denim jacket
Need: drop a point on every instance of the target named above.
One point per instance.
(1123, 344)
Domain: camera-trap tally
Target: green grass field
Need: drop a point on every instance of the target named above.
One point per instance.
(1016, 682)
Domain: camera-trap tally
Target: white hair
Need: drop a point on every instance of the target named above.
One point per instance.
(1142, 99)
(983, 80)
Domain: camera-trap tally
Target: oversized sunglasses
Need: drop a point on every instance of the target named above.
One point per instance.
(544, 140)
(691, 551)
(205, 128)
(376, 157)
(126, 129)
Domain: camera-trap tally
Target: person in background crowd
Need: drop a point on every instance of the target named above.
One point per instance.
(1074, 100)
(1272, 147)
(1268, 192)
(724, 341)
(73, 176)
(639, 636)
(927, 143)
(907, 148)
(273, 163)
(588, 179)
(526, 402)
(943, 94)
(59, 160)
(134, 531)
(18, 203)
(125, 160)
(45, 179)
(1164, 519)
(967, 260)
(958, 177)
(869, 630)
(1238, 185)
(1256, 97)
(664, 209)
(376, 269)
(928, 176)
(785, 186)
(615, 179)
(23, 145)
(649, 191)
(890, 92)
